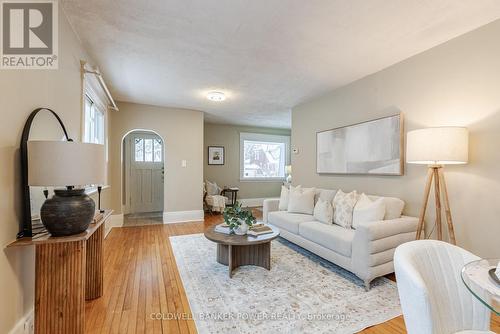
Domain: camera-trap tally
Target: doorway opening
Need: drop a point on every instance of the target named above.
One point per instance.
(143, 157)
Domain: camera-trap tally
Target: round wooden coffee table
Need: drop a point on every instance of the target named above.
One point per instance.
(240, 250)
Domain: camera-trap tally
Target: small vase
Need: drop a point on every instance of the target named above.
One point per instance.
(241, 229)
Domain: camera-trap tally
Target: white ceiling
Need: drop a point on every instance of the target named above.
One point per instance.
(266, 55)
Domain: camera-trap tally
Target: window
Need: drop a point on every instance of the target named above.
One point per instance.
(94, 122)
(148, 150)
(263, 157)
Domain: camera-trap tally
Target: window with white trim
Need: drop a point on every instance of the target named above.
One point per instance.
(94, 122)
(263, 157)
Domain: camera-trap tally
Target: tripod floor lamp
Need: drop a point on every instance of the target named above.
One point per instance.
(437, 147)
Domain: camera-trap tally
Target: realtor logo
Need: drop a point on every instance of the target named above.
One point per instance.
(29, 35)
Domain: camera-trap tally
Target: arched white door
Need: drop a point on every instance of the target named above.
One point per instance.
(145, 172)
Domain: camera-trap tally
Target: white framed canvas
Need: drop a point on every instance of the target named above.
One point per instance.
(216, 155)
(372, 147)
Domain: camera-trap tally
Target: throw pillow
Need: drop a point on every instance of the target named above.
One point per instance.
(367, 210)
(323, 211)
(285, 193)
(343, 205)
(301, 201)
(393, 208)
(325, 194)
(212, 188)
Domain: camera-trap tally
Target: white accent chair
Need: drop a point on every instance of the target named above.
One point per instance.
(433, 297)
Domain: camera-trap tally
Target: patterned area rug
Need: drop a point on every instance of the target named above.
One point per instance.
(302, 293)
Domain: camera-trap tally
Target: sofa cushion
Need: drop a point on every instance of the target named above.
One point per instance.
(333, 237)
(288, 221)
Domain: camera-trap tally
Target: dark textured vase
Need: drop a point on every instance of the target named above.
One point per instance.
(68, 212)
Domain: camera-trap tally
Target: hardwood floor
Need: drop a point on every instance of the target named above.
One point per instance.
(141, 282)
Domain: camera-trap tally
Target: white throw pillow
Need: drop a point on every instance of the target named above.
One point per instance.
(367, 210)
(343, 205)
(325, 194)
(301, 201)
(285, 193)
(212, 188)
(323, 211)
(393, 208)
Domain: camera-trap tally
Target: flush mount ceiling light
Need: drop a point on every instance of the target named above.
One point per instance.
(216, 96)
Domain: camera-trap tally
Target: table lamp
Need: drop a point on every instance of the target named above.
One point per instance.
(437, 147)
(288, 171)
(70, 165)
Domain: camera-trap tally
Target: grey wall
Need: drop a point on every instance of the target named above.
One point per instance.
(456, 83)
(182, 134)
(21, 91)
(229, 174)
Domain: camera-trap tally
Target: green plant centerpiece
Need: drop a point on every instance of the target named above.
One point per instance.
(238, 219)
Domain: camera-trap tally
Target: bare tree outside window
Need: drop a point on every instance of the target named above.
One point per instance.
(264, 159)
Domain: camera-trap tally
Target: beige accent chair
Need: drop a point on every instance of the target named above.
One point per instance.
(213, 200)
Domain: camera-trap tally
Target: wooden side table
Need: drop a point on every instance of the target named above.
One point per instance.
(234, 194)
(68, 271)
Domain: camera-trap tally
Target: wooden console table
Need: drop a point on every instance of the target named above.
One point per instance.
(68, 271)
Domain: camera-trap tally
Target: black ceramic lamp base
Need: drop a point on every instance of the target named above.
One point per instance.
(68, 212)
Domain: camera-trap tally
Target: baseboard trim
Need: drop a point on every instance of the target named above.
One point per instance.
(170, 217)
(252, 202)
(113, 221)
(26, 320)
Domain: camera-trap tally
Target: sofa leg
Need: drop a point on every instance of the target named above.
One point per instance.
(367, 285)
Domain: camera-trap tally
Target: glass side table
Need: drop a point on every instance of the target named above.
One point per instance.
(476, 277)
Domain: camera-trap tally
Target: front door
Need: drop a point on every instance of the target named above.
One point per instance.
(146, 172)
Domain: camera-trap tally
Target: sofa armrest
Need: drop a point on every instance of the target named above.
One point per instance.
(269, 205)
(374, 244)
(386, 228)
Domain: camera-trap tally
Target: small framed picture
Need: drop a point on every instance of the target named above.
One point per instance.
(216, 155)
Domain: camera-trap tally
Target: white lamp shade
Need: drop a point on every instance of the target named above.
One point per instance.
(288, 169)
(62, 163)
(439, 146)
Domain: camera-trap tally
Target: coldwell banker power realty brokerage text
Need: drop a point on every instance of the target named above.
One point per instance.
(29, 36)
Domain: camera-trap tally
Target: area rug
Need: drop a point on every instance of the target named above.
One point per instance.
(302, 293)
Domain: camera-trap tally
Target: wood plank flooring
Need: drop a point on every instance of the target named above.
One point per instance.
(141, 282)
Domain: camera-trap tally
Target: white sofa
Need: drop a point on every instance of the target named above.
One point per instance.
(366, 251)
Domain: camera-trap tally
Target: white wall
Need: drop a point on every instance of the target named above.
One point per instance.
(21, 91)
(456, 83)
(182, 132)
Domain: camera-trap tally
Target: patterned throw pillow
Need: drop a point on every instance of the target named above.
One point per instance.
(323, 211)
(343, 206)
